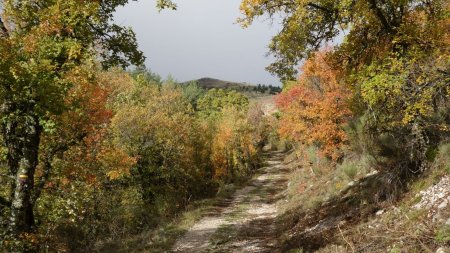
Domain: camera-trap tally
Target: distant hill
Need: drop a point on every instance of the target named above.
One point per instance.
(210, 83)
(248, 89)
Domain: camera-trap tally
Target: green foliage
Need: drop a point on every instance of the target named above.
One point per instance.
(443, 157)
(371, 27)
(352, 167)
(192, 93)
(48, 53)
(148, 128)
(145, 76)
(406, 101)
(212, 103)
(402, 91)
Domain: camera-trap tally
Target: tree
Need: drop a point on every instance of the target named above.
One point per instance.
(42, 45)
(193, 92)
(78, 163)
(316, 108)
(147, 126)
(408, 106)
(394, 59)
(373, 28)
(235, 145)
(215, 100)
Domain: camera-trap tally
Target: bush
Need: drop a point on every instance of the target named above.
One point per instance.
(350, 169)
(443, 157)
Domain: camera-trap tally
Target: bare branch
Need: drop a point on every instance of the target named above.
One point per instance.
(7, 176)
(3, 31)
(47, 164)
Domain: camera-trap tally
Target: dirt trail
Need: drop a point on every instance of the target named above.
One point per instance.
(247, 223)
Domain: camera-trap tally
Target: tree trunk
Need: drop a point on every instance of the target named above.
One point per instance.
(145, 181)
(22, 137)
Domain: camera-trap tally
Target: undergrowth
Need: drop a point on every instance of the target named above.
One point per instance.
(163, 237)
(382, 218)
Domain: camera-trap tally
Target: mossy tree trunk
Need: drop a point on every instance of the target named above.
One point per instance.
(21, 133)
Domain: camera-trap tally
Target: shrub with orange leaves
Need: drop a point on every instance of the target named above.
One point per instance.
(315, 109)
(234, 152)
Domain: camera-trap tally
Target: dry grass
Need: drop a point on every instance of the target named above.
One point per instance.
(162, 238)
(401, 227)
(315, 180)
(328, 212)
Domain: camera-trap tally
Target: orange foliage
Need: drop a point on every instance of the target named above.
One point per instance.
(314, 110)
(233, 149)
(220, 156)
(89, 118)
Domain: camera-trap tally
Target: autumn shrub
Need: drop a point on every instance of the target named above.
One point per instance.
(148, 128)
(134, 153)
(407, 101)
(315, 109)
(72, 202)
(234, 152)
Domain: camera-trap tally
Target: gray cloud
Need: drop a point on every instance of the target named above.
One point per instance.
(201, 39)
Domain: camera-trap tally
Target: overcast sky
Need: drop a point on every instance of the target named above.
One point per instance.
(201, 39)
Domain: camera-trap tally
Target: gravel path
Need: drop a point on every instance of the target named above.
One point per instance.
(247, 223)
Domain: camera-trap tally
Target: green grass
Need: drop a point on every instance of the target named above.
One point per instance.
(443, 234)
(162, 238)
(350, 170)
(223, 235)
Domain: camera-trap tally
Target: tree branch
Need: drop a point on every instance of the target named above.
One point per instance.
(3, 31)
(7, 176)
(43, 179)
(47, 164)
(380, 15)
(319, 7)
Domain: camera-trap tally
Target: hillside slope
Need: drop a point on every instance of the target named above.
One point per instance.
(250, 90)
